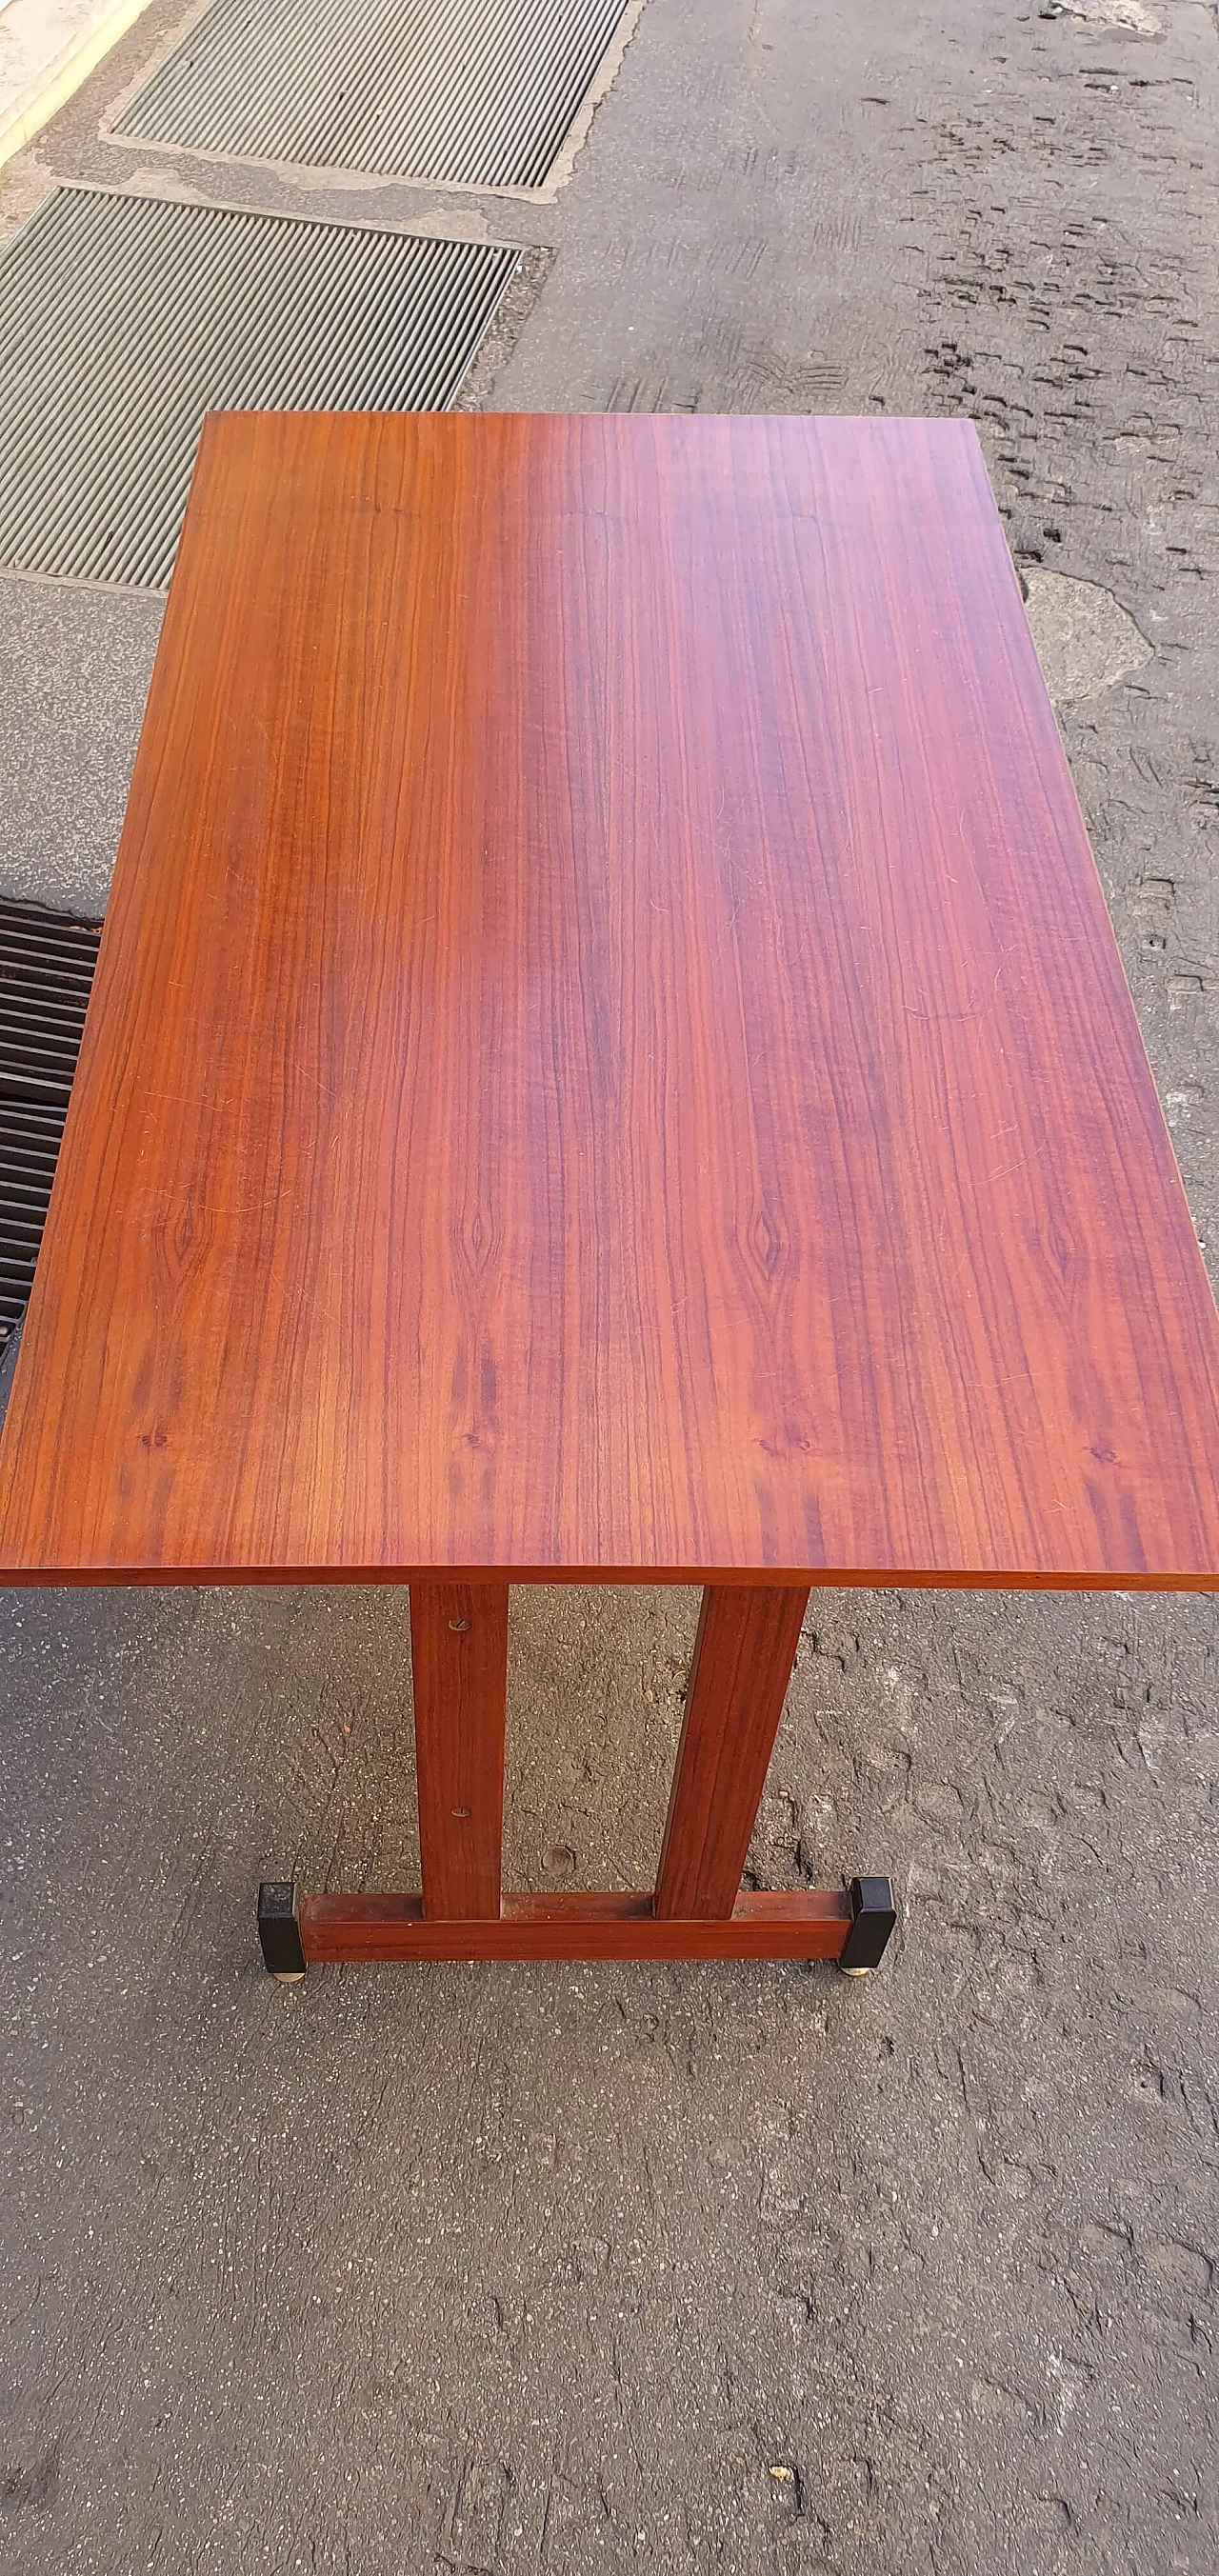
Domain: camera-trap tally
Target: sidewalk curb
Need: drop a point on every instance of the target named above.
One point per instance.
(58, 63)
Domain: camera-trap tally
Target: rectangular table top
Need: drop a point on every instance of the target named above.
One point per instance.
(608, 1056)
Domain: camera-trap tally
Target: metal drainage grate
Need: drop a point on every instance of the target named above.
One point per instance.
(478, 93)
(124, 319)
(46, 970)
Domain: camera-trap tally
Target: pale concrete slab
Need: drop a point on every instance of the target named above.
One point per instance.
(47, 48)
(1086, 641)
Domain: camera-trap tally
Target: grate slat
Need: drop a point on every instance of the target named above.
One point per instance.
(124, 319)
(46, 965)
(475, 93)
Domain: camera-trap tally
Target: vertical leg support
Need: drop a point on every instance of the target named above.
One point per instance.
(459, 1660)
(743, 1656)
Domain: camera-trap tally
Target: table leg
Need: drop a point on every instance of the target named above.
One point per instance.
(698, 1910)
(743, 1656)
(459, 1660)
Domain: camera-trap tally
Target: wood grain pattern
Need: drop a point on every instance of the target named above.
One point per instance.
(810, 1924)
(608, 1056)
(459, 1671)
(742, 1662)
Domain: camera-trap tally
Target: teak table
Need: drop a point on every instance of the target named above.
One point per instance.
(608, 1063)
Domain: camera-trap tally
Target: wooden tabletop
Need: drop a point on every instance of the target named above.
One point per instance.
(608, 1056)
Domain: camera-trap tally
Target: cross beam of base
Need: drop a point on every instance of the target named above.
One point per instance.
(849, 1925)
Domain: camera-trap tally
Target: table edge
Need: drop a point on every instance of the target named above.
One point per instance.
(818, 1578)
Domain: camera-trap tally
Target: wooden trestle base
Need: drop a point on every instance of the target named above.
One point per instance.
(743, 1655)
(849, 1925)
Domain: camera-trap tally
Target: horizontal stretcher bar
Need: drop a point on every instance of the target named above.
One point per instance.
(814, 1923)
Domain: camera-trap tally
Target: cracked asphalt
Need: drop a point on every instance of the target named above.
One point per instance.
(738, 2270)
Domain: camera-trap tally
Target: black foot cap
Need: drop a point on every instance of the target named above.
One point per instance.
(278, 1929)
(872, 1919)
